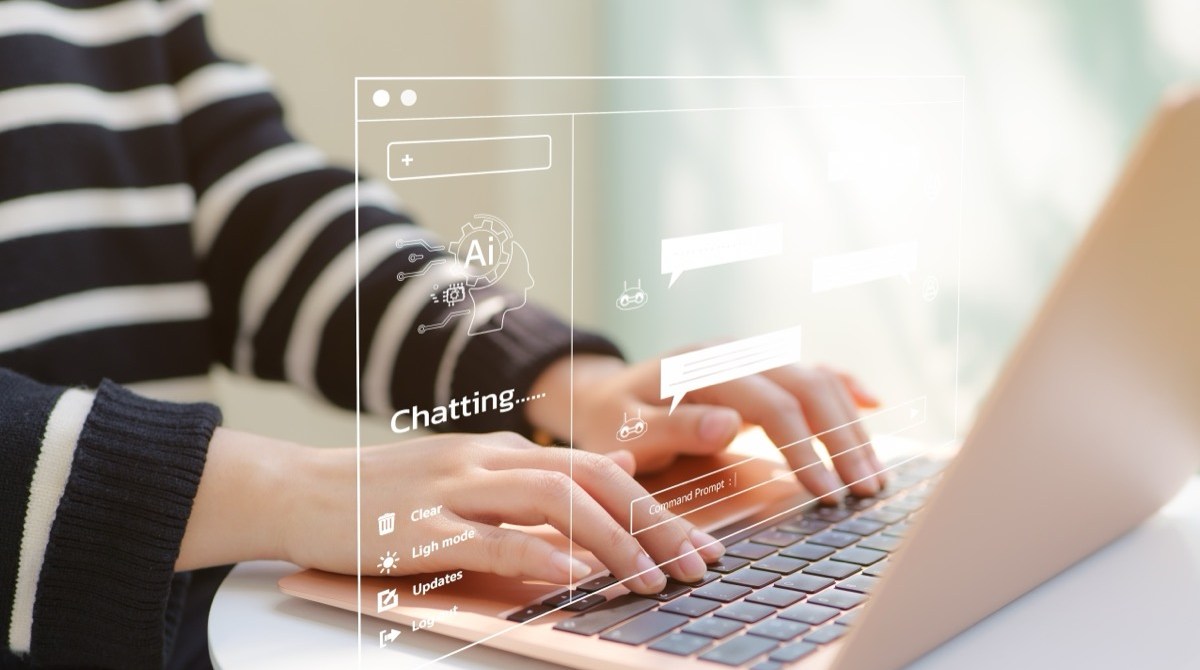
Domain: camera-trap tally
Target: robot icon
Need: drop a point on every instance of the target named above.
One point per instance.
(633, 428)
(632, 297)
(930, 289)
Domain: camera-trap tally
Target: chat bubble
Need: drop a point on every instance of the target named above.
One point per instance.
(865, 265)
(692, 252)
(725, 362)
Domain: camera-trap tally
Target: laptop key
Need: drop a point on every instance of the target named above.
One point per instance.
(779, 629)
(528, 613)
(776, 538)
(709, 576)
(806, 551)
(909, 504)
(858, 583)
(896, 530)
(859, 527)
(803, 526)
(805, 583)
(813, 615)
(833, 514)
(793, 652)
(751, 550)
(575, 601)
(713, 627)
(740, 650)
(881, 542)
(784, 565)
(681, 644)
(847, 619)
(611, 613)
(671, 591)
(755, 579)
(838, 598)
(721, 592)
(645, 628)
(859, 556)
(832, 569)
(876, 570)
(561, 598)
(690, 606)
(826, 634)
(582, 604)
(884, 516)
(767, 665)
(728, 564)
(855, 503)
(775, 597)
(834, 538)
(747, 612)
(597, 583)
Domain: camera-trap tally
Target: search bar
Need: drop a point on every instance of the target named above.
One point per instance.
(462, 157)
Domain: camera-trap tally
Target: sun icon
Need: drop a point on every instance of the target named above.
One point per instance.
(387, 562)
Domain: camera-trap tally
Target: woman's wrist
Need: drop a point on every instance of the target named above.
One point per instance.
(552, 414)
(246, 505)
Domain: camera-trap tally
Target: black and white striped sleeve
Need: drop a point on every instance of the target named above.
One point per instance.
(96, 488)
(275, 233)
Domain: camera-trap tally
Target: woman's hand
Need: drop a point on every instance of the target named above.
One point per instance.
(791, 404)
(474, 482)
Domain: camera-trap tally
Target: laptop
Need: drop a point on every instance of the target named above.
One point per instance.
(1093, 424)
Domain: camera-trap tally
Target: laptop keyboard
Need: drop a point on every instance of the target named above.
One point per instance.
(778, 593)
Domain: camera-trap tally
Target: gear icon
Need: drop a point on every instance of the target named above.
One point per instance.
(484, 250)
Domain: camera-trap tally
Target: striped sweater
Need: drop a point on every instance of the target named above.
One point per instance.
(156, 219)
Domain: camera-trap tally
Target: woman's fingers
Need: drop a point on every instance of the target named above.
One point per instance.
(845, 396)
(696, 430)
(607, 504)
(624, 460)
(831, 415)
(512, 553)
(534, 497)
(760, 401)
(862, 397)
(616, 492)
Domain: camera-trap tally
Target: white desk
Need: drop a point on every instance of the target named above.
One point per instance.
(1134, 604)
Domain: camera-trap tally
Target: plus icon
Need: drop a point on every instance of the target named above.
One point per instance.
(407, 160)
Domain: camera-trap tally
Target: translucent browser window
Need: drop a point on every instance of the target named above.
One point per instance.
(715, 228)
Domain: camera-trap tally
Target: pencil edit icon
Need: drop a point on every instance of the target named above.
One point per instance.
(387, 599)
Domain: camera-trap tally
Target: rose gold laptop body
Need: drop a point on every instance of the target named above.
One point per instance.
(1092, 426)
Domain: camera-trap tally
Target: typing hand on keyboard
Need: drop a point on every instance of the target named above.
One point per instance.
(791, 404)
(451, 493)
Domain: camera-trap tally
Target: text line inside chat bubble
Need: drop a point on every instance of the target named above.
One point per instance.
(725, 362)
(692, 252)
(863, 266)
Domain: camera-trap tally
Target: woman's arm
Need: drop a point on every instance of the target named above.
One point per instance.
(95, 492)
(262, 498)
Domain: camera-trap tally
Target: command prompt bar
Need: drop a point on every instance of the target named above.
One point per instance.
(460, 157)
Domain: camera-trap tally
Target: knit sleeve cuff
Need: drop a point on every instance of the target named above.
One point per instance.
(513, 358)
(110, 559)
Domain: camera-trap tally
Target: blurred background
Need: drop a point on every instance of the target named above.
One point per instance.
(1056, 93)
